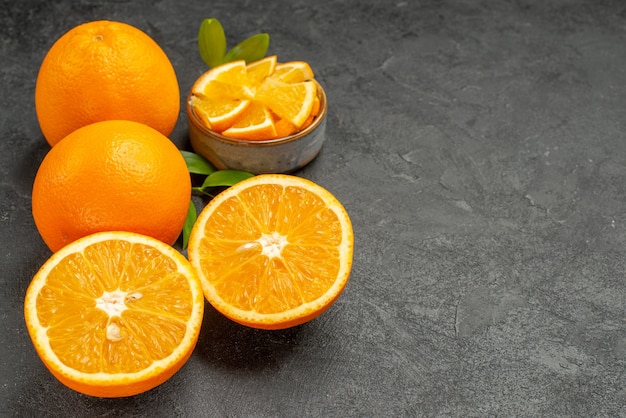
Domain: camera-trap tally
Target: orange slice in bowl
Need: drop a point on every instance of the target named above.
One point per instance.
(291, 101)
(114, 313)
(293, 72)
(221, 95)
(218, 114)
(256, 123)
(232, 72)
(258, 70)
(272, 251)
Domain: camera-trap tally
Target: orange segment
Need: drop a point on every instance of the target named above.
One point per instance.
(114, 313)
(216, 89)
(256, 123)
(232, 72)
(222, 94)
(316, 107)
(293, 72)
(273, 251)
(229, 80)
(284, 128)
(292, 102)
(258, 70)
(218, 114)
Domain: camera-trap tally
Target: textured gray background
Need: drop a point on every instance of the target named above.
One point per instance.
(479, 148)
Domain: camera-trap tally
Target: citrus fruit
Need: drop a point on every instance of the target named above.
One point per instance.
(222, 97)
(256, 123)
(273, 251)
(257, 71)
(103, 70)
(290, 101)
(114, 313)
(111, 175)
(292, 72)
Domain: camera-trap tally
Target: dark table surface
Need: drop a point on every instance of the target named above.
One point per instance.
(480, 149)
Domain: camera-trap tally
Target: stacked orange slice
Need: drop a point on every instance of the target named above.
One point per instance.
(257, 101)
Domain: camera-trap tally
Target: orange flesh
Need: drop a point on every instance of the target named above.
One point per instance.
(153, 301)
(306, 260)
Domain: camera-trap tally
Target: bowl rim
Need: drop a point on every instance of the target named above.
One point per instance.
(319, 119)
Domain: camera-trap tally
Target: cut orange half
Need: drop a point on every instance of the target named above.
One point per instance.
(272, 251)
(115, 313)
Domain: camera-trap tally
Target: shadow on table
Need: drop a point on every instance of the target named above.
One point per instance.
(224, 343)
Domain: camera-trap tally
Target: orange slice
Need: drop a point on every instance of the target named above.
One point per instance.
(293, 72)
(222, 90)
(218, 113)
(255, 124)
(221, 95)
(291, 101)
(114, 313)
(272, 251)
(258, 70)
(234, 72)
(284, 128)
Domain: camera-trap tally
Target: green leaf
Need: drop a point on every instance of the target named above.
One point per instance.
(252, 49)
(196, 164)
(212, 42)
(225, 178)
(189, 221)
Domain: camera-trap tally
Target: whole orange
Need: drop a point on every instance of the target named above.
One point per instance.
(111, 176)
(105, 70)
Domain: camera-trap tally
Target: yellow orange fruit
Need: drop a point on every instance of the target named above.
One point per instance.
(114, 313)
(104, 70)
(272, 251)
(111, 175)
(222, 97)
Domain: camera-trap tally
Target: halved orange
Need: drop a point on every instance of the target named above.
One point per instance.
(114, 313)
(272, 251)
